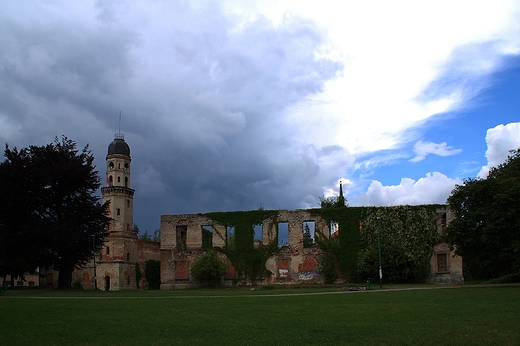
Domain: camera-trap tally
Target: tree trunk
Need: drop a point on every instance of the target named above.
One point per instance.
(65, 275)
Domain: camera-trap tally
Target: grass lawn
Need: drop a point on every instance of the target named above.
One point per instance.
(458, 316)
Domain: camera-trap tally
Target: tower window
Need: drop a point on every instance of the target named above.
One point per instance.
(107, 251)
(127, 165)
(110, 165)
(128, 256)
(128, 203)
(118, 179)
(126, 181)
(110, 180)
(118, 211)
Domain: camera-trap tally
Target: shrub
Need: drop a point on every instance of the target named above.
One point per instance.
(152, 273)
(209, 267)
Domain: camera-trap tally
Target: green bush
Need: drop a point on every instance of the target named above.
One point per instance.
(152, 273)
(209, 267)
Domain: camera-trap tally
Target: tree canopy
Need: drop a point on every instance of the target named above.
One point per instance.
(49, 209)
(486, 228)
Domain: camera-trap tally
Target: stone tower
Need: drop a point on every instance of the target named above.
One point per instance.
(119, 254)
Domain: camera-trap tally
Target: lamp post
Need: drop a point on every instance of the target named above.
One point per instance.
(379, 250)
(94, 253)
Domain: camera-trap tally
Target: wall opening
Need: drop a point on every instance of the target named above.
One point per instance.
(107, 251)
(110, 180)
(107, 283)
(128, 256)
(334, 228)
(181, 236)
(257, 240)
(207, 237)
(118, 211)
(126, 181)
(283, 234)
(308, 233)
(230, 237)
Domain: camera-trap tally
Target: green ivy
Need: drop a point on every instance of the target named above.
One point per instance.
(408, 235)
(249, 262)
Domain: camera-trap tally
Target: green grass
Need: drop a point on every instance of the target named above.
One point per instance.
(458, 316)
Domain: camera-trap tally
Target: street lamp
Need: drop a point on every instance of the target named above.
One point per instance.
(379, 249)
(94, 253)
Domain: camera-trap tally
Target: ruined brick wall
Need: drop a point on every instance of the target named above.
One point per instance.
(181, 245)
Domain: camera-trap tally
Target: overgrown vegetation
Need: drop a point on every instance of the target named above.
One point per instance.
(248, 260)
(408, 235)
(152, 273)
(209, 267)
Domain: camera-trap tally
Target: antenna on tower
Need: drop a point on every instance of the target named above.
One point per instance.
(119, 135)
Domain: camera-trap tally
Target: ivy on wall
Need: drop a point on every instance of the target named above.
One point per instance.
(248, 260)
(408, 235)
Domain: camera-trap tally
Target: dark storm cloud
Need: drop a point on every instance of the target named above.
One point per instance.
(203, 100)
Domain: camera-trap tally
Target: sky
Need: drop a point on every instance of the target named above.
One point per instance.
(240, 105)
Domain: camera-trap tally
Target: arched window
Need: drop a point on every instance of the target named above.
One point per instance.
(107, 251)
(110, 180)
(118, 211)
(126, 181)
(118, 179)
(128, 256)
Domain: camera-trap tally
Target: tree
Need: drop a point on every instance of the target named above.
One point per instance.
(486, 227)
(19, 244)
(333, 202)
(54, 188)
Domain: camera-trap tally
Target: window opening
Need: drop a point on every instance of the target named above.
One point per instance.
(110, 180)
(230, 237)
(181, 235)
(257, 229)
(126, 181)
(128, 203)
(128, 256)
(334, 228)
(308, 233)
(107, 283)
(118, 211)
(283, 234)
(118, 179)
(107, 251)
(207, 237)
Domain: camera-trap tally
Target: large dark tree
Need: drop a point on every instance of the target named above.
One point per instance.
(19, 244)
(486, 228)
(53, 195)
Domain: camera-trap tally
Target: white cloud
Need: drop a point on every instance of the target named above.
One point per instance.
(432, 189)
(422, 149)
(500, 140)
